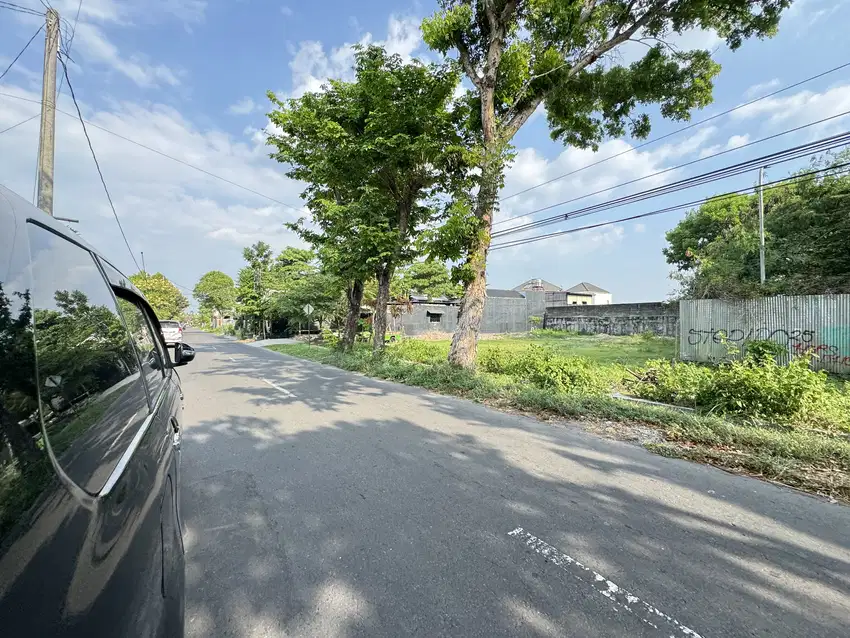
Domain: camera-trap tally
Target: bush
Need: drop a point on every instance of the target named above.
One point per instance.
(756, 387)
(330, 338)
(763, 350)
(545, 369)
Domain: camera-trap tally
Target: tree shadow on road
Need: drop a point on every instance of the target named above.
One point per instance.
(391, 527)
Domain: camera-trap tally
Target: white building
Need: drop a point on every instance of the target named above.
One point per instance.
(599, 297)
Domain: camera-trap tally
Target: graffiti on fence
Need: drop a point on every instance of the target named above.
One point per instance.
(799, 341)
(739, 335)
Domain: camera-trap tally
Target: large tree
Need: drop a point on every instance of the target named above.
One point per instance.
(253, 282)
(715, 248)
(164, 297)
(379, 151)
(521, 54)
(215, 291)
(430, 278)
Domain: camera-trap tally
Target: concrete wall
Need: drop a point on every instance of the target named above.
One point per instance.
(501, 315)
(659, 318)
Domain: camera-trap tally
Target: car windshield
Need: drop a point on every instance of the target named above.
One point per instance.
(169, 324)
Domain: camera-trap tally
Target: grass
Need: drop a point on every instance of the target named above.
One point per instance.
(814, 461)
(602, 349)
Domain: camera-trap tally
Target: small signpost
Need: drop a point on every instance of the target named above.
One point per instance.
(308, 310)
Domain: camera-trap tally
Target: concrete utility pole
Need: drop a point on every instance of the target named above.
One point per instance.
(48, 114)
(144, 270)
(761, 225)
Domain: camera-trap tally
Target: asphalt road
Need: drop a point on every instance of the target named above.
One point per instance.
(318, 502)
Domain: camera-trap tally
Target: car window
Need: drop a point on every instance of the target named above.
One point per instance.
(92, 396)
(24, 466)
(169, 324)
(150, 350)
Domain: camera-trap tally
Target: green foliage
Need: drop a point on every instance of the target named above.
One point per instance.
(375, 153)
(545, 369)
(215, 291)
(756, 387)
(715, 249)
(419, 351)
(164, 297)
(763, 350)
(430, 278)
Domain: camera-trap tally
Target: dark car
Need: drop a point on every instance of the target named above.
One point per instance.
(90, 418)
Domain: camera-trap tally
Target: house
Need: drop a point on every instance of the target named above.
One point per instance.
(587, 293)
(538, 284)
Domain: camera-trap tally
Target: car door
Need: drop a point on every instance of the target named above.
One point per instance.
(83, 554)
(166, 403)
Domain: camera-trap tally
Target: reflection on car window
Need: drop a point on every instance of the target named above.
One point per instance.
(93, 399)
(149, 350)
(24, 466)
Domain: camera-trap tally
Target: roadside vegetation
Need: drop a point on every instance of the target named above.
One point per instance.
(784, 423)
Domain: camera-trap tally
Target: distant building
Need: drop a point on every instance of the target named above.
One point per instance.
(582, 291)
(505, 294)
(538, 284)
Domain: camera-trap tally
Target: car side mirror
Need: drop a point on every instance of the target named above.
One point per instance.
(183, 354)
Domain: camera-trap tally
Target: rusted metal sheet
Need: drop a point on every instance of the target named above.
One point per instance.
(710, 328)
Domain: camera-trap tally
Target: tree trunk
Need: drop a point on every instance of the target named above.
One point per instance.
(21, 443)
(465, 338)
(379, 319)
(354, 295)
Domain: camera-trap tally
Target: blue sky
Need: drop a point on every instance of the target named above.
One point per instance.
(188, 78)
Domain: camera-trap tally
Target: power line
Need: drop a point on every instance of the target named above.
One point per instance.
(96, 163)
(70, 44)
(676, 132)
(555, 218)
(20, 9)
(729, 195)
(29, 119)
(166, 155)
(26, 46)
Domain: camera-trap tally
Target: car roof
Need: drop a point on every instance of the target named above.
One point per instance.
(22, 211)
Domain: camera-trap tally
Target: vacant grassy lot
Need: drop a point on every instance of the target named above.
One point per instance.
(603, 349)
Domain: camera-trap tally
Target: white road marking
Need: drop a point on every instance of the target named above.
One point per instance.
(617, 595)
(283, 391)
(231, 358)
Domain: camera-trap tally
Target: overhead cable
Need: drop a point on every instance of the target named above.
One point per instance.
(676, 132)
(743, 191)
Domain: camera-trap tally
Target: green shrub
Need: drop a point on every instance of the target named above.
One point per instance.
(545, 369)
(764, 350)
(671, 382)
(330, 338)
(755, 388)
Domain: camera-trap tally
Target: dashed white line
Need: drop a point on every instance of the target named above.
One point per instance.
(283, 391)
(620, 597)
(231, 358)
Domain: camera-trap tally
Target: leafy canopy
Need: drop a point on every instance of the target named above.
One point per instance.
(715, 249)
(164, 297)
(215, 290)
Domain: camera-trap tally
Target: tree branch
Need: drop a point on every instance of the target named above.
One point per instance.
(618, 39)
(466, 62)
(519, 118)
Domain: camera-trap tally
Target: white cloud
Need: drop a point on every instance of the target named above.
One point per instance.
(286, 11)
(184, 221)
(640, 228)
(311, 66)
(96, 47)
(244, 106)
(736, 141)
(761, 88)
(800, 108)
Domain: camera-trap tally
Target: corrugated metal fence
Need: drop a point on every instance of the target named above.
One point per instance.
(820, 323)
